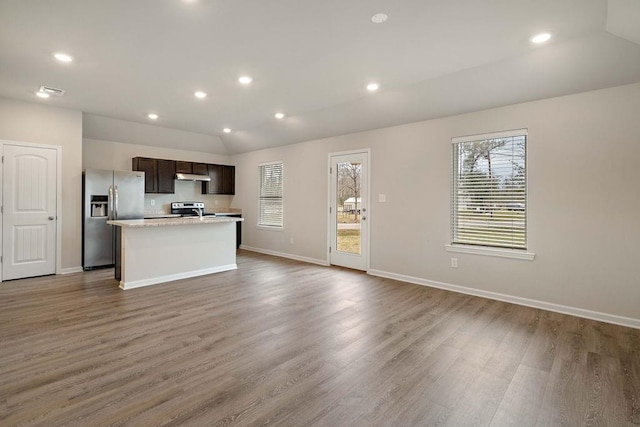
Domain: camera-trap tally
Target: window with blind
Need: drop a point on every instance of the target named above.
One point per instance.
(489, 195)
(270, 202)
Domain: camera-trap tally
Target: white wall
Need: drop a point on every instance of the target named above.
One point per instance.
(584, 200)
(42, 124)
(109, 129)
(116, 155)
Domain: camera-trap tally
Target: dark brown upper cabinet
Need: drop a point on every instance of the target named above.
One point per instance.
(222, 180)
(228, 180)
(184, 167)
(166, 176)
(159, 174)
(200, 168)
(150, 169)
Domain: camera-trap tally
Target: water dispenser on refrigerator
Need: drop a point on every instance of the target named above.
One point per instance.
(99, 206)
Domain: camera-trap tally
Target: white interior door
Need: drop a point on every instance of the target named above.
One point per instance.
(29, 212)
(349, 210)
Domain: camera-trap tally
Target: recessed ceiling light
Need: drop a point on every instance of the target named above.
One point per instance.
(245, 80)
(51, 90)
(279, 116)
(63, 57)
(42, 94)
(226, 130)
(540, 38)
(153, 116)
(372, 87)
(200, 94)
(379, 18)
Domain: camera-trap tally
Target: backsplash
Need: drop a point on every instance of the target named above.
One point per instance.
(185, 191)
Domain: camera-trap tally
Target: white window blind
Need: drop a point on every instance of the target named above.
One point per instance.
(489, 194)
(270, 203)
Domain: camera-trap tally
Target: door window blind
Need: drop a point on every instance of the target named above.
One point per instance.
(270, 202)
(489, 195)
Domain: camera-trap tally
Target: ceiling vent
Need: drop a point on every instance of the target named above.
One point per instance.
(51, 91)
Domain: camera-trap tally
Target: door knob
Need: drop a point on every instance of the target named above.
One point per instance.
(51, 218)
(364, 217)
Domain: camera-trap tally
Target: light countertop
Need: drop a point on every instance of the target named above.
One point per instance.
(164, 222)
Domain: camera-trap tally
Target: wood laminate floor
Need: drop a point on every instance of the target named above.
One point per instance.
(286, 343)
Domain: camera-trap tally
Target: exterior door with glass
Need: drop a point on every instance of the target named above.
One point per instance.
(349, 210)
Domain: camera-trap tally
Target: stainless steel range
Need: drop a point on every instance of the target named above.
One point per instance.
(189, 209)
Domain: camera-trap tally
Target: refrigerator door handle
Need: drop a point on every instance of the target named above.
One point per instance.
(110, 204)
(115, 191)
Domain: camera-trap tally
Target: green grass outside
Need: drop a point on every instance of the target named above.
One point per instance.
(349, 241)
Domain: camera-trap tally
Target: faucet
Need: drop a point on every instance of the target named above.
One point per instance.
(198, 211)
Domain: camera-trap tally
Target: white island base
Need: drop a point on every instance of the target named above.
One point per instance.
(153, 251)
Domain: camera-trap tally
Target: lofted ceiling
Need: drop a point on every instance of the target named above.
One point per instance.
(309, 59)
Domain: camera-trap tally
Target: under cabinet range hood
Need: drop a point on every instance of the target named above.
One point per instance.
(192, 177)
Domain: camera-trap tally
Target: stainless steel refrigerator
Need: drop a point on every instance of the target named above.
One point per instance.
(107, 195)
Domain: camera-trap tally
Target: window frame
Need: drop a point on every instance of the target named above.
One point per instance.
(260, 198)
(480, 249)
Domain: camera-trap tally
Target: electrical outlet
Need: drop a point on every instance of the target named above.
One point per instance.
(382, 198)
(153, 202)
(215, 202)
(454, 262)
(291, 240)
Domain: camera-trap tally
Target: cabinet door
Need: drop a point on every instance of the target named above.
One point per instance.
(184, 167)
(228, 180)
(166, 176)
(215, 185)
(150, 169)
(200, 168)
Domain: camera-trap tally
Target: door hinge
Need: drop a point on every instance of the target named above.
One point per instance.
(2, 159)
(329, 209)
(1, 209)
(329, 249)
(330, 169)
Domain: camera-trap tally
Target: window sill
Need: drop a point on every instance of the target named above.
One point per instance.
(270, 228)
(502, 253)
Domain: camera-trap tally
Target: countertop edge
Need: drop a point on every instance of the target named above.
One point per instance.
(167, 222)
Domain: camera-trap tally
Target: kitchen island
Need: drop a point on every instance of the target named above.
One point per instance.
(152, 251)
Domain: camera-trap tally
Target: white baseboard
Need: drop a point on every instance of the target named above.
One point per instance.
(171, 277)
(70, 270)
(573, 311)
(285, 255)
